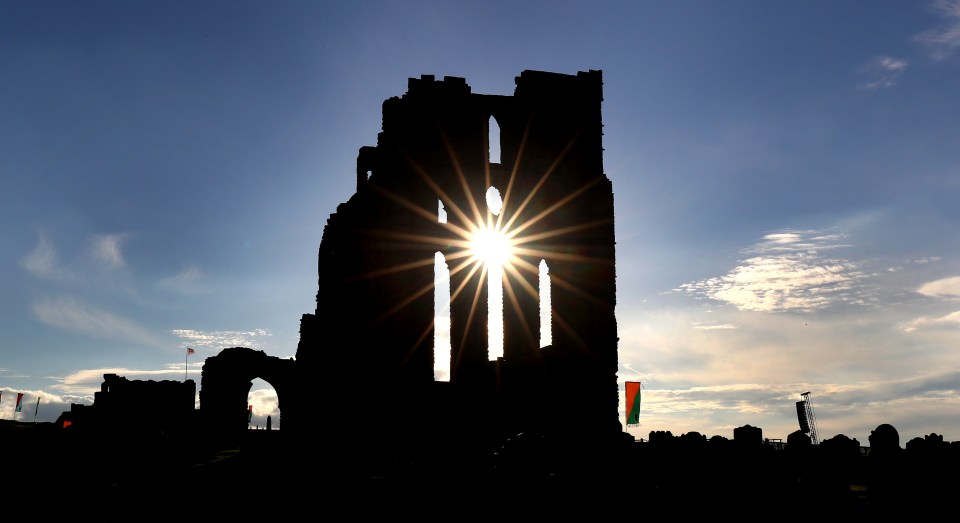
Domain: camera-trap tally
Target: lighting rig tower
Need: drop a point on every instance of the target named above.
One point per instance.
(808, 422)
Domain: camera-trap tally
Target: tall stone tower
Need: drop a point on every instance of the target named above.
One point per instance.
(391, 393)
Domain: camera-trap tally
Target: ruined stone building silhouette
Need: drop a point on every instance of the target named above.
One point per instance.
(366, 363)
(376, 381)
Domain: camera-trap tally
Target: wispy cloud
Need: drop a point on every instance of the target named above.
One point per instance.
(943, 40)
(882, 72)
(73, 315)
(105, 251)
(184, 282)
(945, 287)
(950, 320)
(85, 382)
(788, 272)
(711, 327)
(42, 260)
(215, 341)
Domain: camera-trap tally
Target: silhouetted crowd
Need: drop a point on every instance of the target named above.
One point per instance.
(689, 474)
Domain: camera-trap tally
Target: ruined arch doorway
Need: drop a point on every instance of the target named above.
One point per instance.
(266, 404)
(226, 384)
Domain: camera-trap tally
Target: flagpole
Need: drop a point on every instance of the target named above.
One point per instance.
(36, 410)
(185, 364)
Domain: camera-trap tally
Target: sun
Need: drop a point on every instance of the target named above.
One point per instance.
(491, 247)
(489, 244)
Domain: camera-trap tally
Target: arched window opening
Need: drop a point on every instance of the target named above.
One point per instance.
(494, 201)
(494, 140)
(441, 319)
(262, 403)
(546, 325)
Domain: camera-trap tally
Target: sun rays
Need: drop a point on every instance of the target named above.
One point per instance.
(490, 242)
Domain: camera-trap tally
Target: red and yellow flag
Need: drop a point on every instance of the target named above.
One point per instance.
(633, 403)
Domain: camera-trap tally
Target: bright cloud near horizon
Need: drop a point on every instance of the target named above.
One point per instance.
(785, 180)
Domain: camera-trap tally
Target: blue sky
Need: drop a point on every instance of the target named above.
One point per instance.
(786, 178)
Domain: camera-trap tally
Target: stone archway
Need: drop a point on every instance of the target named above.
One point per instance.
(226, 381)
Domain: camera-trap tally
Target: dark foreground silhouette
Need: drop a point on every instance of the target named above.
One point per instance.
(688, 474)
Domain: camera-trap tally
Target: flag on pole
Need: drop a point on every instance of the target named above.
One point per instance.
(185, 358)
(633, 403)
(19, 402)
(249, 413)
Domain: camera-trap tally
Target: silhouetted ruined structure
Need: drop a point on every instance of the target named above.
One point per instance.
(225, 385)
(151, 410)
(368, 349)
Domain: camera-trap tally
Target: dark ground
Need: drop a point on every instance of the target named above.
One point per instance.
(264, 475)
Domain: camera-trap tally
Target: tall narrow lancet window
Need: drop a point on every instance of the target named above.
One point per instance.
(494, 140)
(495, 258)
(441, 213)
(441, 319)
(546, 333)
(441, 310)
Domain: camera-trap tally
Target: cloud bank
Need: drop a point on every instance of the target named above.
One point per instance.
(787, 272)
(215, 341)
